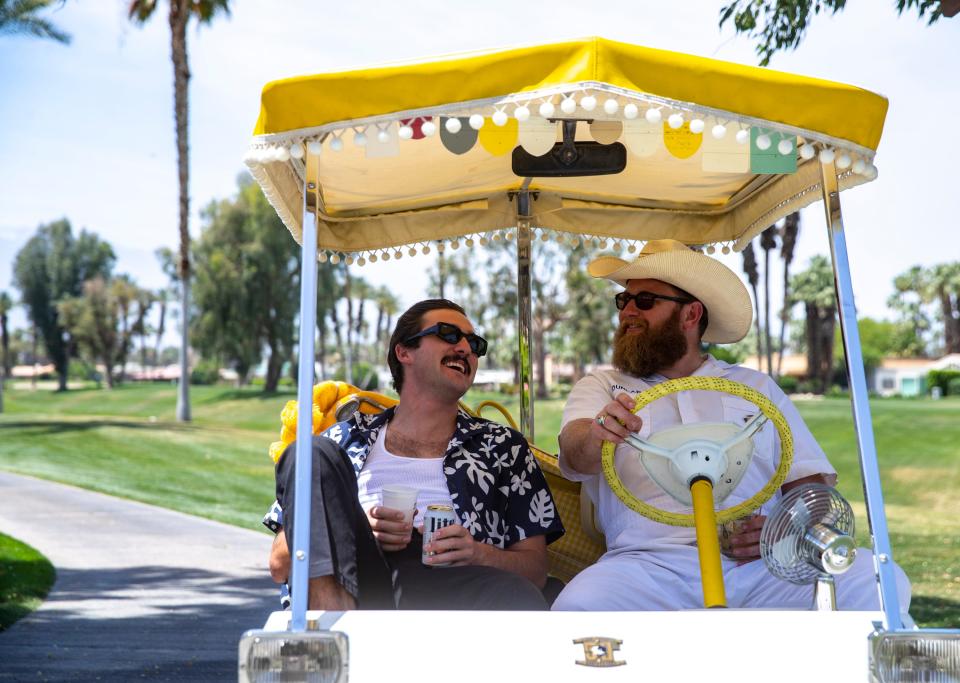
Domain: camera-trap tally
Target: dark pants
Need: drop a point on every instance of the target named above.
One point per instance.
(342, 545)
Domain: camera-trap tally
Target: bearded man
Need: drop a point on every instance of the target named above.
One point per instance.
(674, 299)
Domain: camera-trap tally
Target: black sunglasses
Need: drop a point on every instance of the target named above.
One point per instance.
(645, 300)
(452, 334)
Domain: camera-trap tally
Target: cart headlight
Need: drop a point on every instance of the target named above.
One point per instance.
(915, 657)
(307, 657)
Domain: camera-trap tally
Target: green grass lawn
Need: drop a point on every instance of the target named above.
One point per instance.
(25, 579)
(125, 442)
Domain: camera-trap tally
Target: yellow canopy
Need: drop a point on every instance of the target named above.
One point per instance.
(357, 136)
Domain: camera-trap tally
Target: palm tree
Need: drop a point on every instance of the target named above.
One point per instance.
(753, 277)
(20, 17)
(179, 16)
(815, 288)
(768, 242)
(788, 241)
(6, 303)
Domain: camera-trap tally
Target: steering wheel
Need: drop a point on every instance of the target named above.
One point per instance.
(696, 449)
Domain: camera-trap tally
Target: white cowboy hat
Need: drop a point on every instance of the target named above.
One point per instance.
(716, 286)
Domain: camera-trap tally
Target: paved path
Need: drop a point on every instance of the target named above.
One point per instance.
(142, 593)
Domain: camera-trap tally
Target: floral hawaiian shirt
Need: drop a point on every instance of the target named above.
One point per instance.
(498, 491)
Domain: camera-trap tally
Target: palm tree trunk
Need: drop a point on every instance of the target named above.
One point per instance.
(179, 14)
(756, 308)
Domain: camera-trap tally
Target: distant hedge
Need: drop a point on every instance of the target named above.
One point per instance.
(947, 380)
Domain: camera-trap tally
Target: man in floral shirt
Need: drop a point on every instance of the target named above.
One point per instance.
(363, 554)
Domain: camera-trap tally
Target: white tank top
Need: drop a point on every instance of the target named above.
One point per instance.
(382, 467)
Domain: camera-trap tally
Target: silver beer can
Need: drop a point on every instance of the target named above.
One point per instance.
(435, 518)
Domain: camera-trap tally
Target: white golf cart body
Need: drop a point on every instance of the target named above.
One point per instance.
(383, 163)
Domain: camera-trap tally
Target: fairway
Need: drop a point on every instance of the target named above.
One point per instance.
(125, 442)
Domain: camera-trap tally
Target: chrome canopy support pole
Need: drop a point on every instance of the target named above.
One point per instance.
(862, 422)
(525, 312)
(300, 552)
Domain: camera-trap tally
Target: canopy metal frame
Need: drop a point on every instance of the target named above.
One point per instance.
(862, 420)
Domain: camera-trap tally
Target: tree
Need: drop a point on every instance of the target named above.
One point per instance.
(814, 288)
(181, 11)
(22, 17)
(782, 24)
(788, 241)
(99, 322)
(753, 277)
(52, 266)
(247, 280)
(328, 292)
(768, 242)
(6, 303)
(588, 329)
(936, 288)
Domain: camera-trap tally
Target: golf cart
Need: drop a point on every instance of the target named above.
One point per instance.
(583, 140)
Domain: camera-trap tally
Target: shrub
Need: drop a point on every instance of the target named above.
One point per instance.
(943, 379)
(788, 384)
(508, 388)
(953, 387)
(206, 372)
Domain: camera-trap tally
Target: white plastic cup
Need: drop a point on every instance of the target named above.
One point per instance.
(400, 497)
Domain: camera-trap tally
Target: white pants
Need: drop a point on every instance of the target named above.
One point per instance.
(668, 578)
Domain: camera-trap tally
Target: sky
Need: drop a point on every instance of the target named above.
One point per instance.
(86, 130)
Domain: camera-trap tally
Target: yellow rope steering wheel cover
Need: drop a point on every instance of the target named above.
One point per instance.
(766, 406)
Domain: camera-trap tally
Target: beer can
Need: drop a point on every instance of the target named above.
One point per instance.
(436, 517)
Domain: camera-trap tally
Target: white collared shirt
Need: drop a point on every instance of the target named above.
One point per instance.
(626, 529)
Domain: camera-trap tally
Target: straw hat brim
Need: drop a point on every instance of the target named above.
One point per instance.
(721, 291)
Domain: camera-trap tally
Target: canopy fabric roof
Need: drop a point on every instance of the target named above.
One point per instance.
(423, 191)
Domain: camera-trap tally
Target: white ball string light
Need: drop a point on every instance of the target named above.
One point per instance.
(631, 111)
(521, 113)
(297, 151)
(412, 251)
(453, 125)
(588, 103)
(675, 121)
(336, 144)
(547, 109)
(697, 126)
(726, 249)
(428, 128)
(611, 106)
(858, 166)
(314, 148)
(405, 132)
(785, 146)
(807, 151)
(500, 118)
(743, 136)
(653, 116)
(322, 257)
(476, 121)
(844, 161)
(763, 141)
(360, 138)
(334, 259)
(568, 105)
(719, 131)
(827, 156)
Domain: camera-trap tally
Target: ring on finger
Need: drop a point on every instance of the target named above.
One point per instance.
(601, 418)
